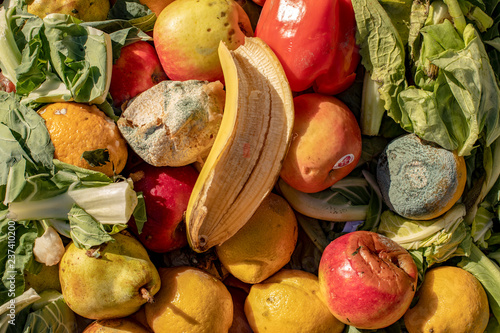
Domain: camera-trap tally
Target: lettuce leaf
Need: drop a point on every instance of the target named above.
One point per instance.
(460, 102)
(453, 97)
(382, 52)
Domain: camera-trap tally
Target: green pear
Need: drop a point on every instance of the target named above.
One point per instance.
(112, 282)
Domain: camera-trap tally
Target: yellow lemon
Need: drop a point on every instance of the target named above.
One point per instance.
(290, 301)
(264, 244)
(85, 10)
(75, 128)
(190, 300)
(450, 300)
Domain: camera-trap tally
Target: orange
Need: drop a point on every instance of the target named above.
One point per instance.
(75, 128)
(450, 300)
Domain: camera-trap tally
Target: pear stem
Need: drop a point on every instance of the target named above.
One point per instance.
(146, 295)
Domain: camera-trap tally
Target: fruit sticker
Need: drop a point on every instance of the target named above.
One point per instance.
(344, 160)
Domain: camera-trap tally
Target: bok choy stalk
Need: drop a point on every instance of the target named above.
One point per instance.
(372, 107)
(346, 200)
(113, 203)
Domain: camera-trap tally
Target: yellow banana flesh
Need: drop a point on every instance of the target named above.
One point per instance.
(248, 152)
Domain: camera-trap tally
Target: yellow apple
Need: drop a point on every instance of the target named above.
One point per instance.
(187, 34)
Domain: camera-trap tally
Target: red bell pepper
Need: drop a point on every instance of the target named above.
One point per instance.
(315, 41)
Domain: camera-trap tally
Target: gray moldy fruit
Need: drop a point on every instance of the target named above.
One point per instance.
(418, 179)
(174, 123)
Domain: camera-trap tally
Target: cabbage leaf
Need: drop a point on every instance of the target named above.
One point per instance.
(50, 314)
(439, 239)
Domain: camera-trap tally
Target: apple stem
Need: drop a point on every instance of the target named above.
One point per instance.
(146, 295)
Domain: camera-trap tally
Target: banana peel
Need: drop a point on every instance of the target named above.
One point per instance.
(246, 158)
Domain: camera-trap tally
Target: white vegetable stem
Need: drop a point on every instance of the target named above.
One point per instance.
(109, 204)
(372, 107)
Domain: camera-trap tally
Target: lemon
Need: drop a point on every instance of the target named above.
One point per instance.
(85, 10)
(264, 244)
(190, 300)
(75, 128)
(450, 300)
(290, 301)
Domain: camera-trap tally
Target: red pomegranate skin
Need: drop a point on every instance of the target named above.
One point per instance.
(368, 280)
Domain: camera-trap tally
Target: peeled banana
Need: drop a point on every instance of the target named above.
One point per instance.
(247, 155)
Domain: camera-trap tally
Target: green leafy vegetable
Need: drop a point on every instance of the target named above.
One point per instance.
(455, 97)
(488, 273)
(16, 256)
(60, 60)
(346, 200)
(128, 10)
(97, 157)
(23, 137)
(481, 226)
(86, 232)
(139, 213)
(50, 314)
(399, 11)
(122, 32)
(8, 319)
(382, 51)
(439, 239)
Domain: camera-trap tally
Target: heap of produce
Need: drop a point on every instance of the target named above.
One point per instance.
(250, 166)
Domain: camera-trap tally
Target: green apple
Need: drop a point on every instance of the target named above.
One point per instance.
(187, 34)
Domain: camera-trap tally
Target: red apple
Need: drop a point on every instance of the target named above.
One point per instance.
(136, 70)
(166, 193)
(368, 280)
(260, 2)
(326, 144)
